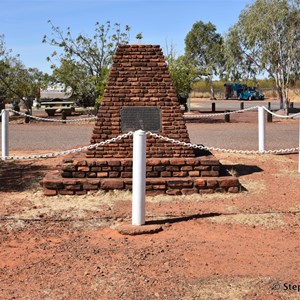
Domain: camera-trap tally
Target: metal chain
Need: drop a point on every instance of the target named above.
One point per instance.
(280, 116)
(55, 154)
(52, 120)
(221, 114)
(280, 151)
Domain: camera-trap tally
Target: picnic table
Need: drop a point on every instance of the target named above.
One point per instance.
(52, 107)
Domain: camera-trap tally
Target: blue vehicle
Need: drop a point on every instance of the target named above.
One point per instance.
(251, 94)
(242, 92)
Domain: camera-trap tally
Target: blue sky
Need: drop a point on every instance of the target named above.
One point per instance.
(24, 22)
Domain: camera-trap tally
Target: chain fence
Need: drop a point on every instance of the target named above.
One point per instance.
(201, 147)
(281, 116)
(51, 119)
(220, 114)
(76, 150)
(170, 140)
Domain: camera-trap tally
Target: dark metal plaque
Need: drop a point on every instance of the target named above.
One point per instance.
(147, 118)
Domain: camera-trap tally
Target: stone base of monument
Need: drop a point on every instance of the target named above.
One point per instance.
(172, 176)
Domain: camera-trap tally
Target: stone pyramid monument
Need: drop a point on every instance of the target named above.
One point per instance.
(139, 95)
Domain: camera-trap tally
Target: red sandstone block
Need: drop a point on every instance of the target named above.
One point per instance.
(49, 192)
(88, 186)
(114, 174)
(180, 183)
(180, 174)
(186, 168)
(177, 162)
(202, 168)
(126, 163)
(76, 187)
(78, 174)
(80, 162)
(159, 168)
(66, 192)
(91, 174)
(83, 169)
(153, 162)
(152, 174)
(53, 184)
(172, 168)
(67, 174)
(126, 174)
(165, 161)
(96, 169)
(166, 174)
(209, 162)
(105, 169)
(110, 184)
(194, 173)
(209, 173)
(102, 174)
(80, 193)
(230, 182)
(212, 183)
(199, 182)
(68, 167)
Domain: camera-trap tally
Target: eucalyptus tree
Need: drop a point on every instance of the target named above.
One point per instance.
(204, 48)
(266, 40)
(82, 62)
(17, 81)
(183, 74)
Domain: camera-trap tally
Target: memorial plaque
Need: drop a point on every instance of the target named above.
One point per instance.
(147, 118)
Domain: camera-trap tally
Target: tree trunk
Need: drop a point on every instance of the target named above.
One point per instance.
(280, 96)
(283, 98)
(211, 87)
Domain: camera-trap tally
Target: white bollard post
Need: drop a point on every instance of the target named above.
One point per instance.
(139, 178)
(261, 129)
(4, 144)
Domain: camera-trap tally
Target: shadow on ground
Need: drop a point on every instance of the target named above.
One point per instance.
(182, 219)
(19, 176)
(239, 170)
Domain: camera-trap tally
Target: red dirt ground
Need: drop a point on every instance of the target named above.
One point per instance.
(243, 246)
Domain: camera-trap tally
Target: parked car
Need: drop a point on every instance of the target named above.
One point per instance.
(242, 92)
(251, 94)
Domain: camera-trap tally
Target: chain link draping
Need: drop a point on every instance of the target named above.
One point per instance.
(76, 150)
(52, 120)
(170, 140)
(280, 116)
(220, 114)
(176, 142)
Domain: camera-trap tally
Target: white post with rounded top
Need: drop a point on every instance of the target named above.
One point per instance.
(4, 142)
(261, 129)
(139, 177)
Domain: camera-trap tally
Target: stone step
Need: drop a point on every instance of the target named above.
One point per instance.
(54, 184)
